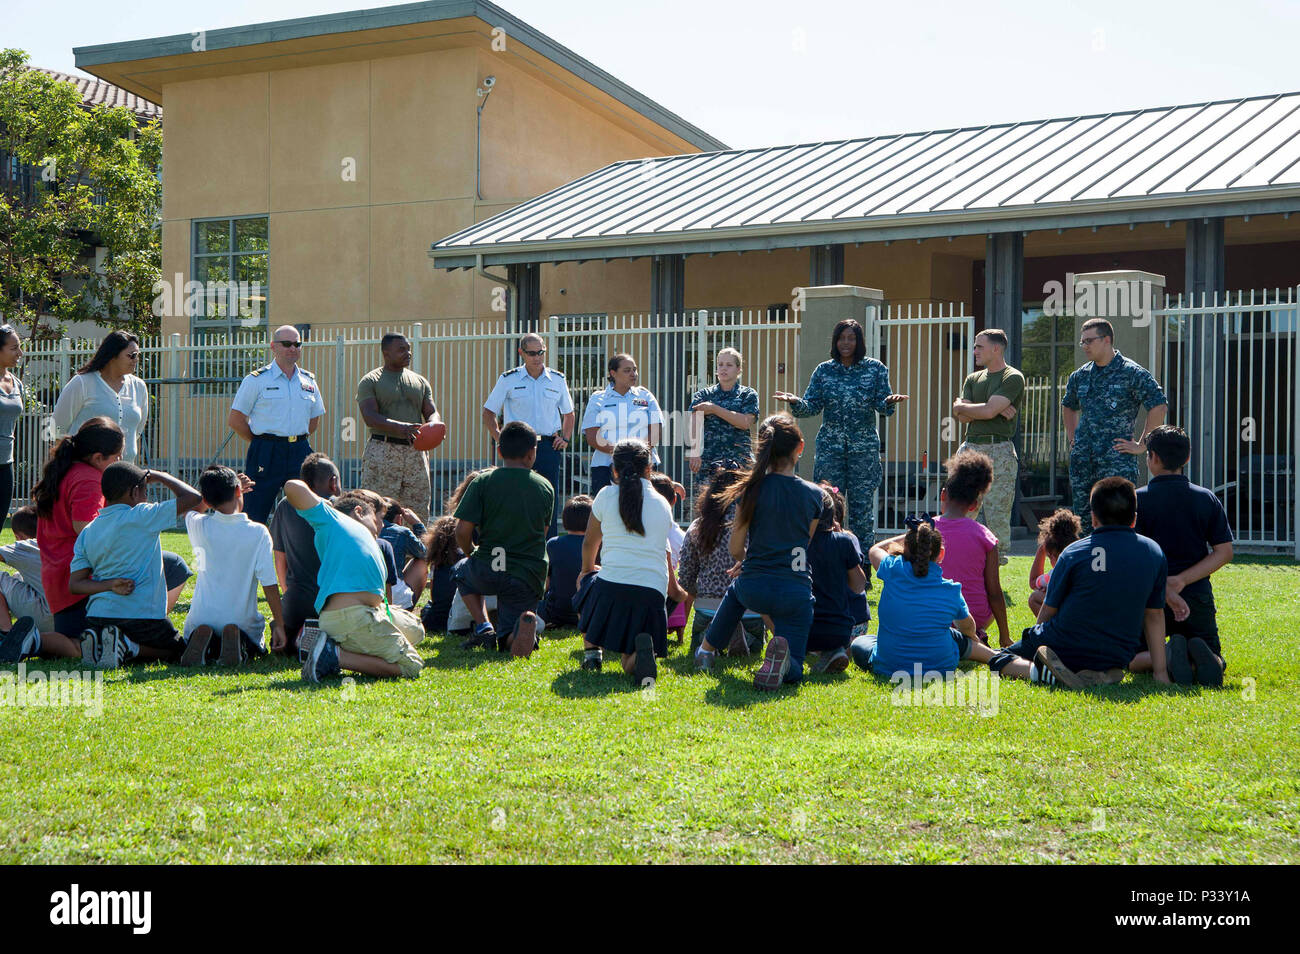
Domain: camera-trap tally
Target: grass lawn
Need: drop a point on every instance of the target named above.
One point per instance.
(484, 759)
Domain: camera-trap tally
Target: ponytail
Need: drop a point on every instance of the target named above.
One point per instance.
(631, 458)
(778, 439)
(99, 435)
(921, 547)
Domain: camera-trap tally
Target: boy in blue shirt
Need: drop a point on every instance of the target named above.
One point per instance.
(117, 561)
(564, 558)
(405, 534)
(358, 630)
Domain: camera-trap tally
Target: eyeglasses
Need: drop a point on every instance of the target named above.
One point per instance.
(534, 354)
(288, 344)
(1087, 341)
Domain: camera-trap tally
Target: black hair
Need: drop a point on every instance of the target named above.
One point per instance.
(970, 474)
(711, 509)
(837, 500)
(113, 344)
(8, 331)
(348, 503)
(826, 522)
(218, 485)
(1058, 530)
(1171, 444)
(614, 362)
(119, 479)
(996, 335)
(859, 350)
(631, 460)
(392, 510)
(663, 485)
(516, 440)
(23, 520)
(576, 513)
(778, 439)
(1114, 501)
(1104, 327)
(98, 435)
(440, 543)
(389, 338)
(317, 471)
(921, 547)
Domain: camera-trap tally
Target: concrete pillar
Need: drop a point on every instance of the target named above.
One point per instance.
(824, 307)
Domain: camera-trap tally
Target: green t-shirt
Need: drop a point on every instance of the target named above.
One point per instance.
(511, 508)
(400, 396)
(981, 386)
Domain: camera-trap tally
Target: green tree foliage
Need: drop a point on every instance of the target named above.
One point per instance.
(75, 178)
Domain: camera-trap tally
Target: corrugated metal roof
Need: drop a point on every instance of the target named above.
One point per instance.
(96, 92)
(1166, 155)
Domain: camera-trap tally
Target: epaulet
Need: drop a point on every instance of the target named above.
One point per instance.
(556, 371)
(261, 370)
(506, 374)
(302, 370)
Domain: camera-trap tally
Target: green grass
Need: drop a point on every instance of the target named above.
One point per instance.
(484, 759)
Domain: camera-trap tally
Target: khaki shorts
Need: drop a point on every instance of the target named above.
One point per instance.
(368, 631)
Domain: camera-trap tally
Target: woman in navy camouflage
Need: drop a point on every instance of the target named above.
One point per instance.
(848, 391)
(728, 410)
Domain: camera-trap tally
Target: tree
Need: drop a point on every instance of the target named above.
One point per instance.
(77, 177)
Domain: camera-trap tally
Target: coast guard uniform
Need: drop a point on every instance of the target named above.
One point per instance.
(541, 403)
(280, 409)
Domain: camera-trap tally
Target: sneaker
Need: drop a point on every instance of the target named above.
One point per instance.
(111, 651)
(196, 650)
(1049, 665)
(90, 647)
(1095, 677)
(311, 645)
(11, 646)
(1177, 661)
(483, 637)
(645, 671)
(231, 646)
(592, 660)
(837, 661)
(704, 660)
(1208, 670)
(525, 638)
(776, 663)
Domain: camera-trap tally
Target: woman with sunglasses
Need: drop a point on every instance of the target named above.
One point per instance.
(108, 387)
(13, 398)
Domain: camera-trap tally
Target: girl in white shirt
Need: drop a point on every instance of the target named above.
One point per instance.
(108, 387)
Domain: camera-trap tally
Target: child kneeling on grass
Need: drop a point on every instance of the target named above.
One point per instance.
(837, 575)
(971, 555)
(117, 561)
(510, 507)
(23, 592)
(621, 600)
(234, 556)
(357, 630)
(1055, 533)
(564, 563)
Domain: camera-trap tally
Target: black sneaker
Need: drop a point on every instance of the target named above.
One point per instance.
(11, 646)
(1049, 664)
(1176, 660)
(645, 671)
(483, 637)
(196, 650)
(1208, 670)
(592, 660)
(231, 646)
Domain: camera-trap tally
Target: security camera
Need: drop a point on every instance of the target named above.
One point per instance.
(489, 82)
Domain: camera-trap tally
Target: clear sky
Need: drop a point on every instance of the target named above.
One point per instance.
(761, 72)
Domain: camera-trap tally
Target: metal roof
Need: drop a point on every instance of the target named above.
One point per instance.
(1139, 163)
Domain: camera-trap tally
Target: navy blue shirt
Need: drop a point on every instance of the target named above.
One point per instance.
(787, 507)
(404, 541)
(830, 557)
(1186, 520)
(1101, 588)
(390, 560)
(565, 555)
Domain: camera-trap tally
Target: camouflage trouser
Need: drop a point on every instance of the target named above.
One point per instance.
(398, 471)
(1001, 498)
(851, 462)
(1090, 462)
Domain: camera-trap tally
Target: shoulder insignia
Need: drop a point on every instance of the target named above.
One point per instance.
(261, 370)
(506, 374)
(304, 371)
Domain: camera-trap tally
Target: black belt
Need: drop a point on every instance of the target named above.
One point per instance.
(390, 440)
(277, 437)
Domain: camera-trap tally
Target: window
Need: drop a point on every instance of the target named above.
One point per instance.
(232, 263)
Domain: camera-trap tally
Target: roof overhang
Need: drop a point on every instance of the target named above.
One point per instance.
(145, 67)
(883, 229)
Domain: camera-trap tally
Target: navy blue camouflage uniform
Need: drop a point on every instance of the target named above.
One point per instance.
(725, 446)
(848, 445)
(1107, 399)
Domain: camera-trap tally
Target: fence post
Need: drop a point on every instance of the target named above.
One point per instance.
(553, 340)
(1295, 423)
(339, 368)
(174, 406)
(65, 361)
(417, 332)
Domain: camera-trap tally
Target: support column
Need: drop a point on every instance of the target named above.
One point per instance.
(1004, 279)
(1204, 354)
(824, 307)
(663, 369)
(826, 265)
(528, 309)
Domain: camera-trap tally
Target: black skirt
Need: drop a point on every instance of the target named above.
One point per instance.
(614, 613)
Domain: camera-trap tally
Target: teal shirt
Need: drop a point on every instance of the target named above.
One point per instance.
(350, 561)
(848, 399)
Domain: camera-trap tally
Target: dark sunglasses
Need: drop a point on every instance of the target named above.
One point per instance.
(534, 354)
(288, 344)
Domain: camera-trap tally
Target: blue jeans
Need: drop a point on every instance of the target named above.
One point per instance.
(787, 600)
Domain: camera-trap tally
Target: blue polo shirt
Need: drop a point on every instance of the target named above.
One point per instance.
(1186, 520)
(1100, 589)
(350, 561)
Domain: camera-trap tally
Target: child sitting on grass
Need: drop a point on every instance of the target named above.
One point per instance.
(1055, 533)
(678, 612)
(23, 594)
(836, 566)
(443, 554)
(403, 530)
(356, 629)
(234, 556)
(117, 561)
(970, 549)
(705, 562)
(564, 562)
